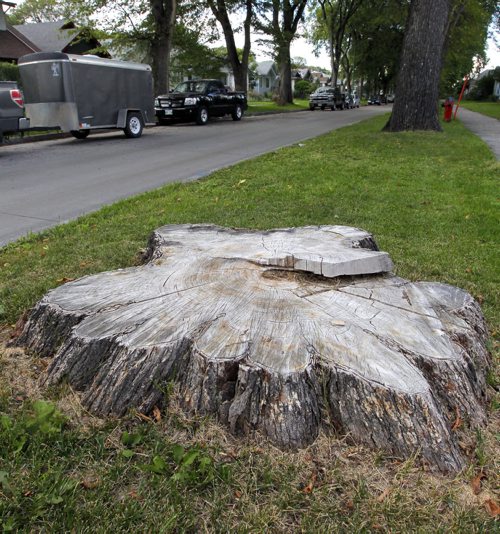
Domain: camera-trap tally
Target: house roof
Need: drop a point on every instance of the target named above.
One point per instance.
(264, 67)
(49, 36)
(13, 44)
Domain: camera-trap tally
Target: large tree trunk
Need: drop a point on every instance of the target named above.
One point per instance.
(239, 67)
(285, 93)
(417, 88)
(286, 16)
(163, 12)
(279, 332)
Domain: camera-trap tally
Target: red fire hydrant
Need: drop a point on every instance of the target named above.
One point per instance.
(448, 109)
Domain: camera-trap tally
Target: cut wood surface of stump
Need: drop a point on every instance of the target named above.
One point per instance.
(274, 331)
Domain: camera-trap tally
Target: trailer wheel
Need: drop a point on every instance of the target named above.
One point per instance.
(237, 113)
(80, 134)
(202, 116)
(134, 127)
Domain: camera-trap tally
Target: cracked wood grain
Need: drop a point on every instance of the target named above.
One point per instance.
(274, 331)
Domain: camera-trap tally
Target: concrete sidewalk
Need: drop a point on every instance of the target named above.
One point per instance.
(487, 128)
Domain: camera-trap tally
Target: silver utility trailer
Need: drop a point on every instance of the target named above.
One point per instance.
(82, 93)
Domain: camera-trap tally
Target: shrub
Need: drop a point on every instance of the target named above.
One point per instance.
(9, 72)
(302, 89)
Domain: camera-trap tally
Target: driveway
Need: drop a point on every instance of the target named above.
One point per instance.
(45, 183)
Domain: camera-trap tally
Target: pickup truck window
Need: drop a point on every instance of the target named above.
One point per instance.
(191, 87)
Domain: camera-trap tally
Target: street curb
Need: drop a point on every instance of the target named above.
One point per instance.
(273, 112)
(35, 138)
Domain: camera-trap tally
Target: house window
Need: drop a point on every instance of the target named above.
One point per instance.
(267, 83)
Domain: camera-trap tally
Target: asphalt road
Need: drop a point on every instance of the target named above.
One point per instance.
(49, 182)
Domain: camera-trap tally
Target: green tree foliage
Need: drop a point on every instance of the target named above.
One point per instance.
(376, 35)
(30, 11)
(466, 41)
(373, 40)
(336, 16)
(364, 39)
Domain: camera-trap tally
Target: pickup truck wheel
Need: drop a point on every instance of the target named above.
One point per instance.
(332, 108)
(237, 113)
(80, 134)
(202, 116)
(134, 126)
(322, 108)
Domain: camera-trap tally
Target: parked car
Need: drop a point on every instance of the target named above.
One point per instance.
(198, 100)
(390, 98)
(82, 93)
(355, 100)
(374, 100)
(11, 109)
(327, 97)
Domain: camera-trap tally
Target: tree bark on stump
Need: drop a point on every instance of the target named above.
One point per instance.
(277, 331)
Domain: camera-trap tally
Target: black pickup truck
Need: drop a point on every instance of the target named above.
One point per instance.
(197, 100)
(11, 109)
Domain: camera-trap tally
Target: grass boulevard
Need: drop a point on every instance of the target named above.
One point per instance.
(431, 201)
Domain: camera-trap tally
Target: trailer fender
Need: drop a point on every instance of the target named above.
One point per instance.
(121, 121)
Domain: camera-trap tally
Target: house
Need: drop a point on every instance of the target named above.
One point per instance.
(320, 78)
(60, 36)
(13, 45)
(473, 83)
(299, 75)
(266, 78)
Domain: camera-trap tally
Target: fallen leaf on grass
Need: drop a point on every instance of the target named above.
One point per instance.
(157, 414)
(476, 483)
(310, 486)
(237, 494)
(144, 417)
(492, 507)
(90, 482)
(64, 279)
(383, 495)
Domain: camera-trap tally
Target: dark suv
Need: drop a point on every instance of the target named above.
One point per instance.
(327, 97)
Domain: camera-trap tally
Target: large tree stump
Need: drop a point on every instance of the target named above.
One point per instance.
(274, 331)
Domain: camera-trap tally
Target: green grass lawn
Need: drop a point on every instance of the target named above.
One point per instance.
(430, 199)
(263, 106)
(492, 109)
